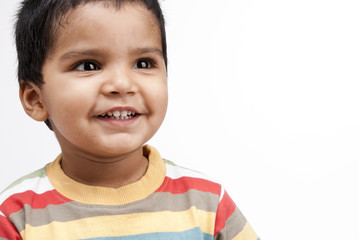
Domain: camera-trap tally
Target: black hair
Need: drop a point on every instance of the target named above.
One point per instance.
(37, 24)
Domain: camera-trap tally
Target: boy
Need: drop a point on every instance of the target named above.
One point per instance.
(95, 72)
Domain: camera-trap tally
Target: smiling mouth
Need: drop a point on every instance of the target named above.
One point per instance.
(119, 115)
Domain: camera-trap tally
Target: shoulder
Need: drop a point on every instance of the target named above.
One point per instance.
(180, 178)
(35, 182)
(176, 171)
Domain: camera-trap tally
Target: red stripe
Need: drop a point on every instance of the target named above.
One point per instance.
(225, 209)
(36, 201)
(8, 230)
(183, 184)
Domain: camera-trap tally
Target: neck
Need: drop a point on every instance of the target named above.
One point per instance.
(112, 172)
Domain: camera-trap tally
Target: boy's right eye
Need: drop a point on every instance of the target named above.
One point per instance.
(87, 66)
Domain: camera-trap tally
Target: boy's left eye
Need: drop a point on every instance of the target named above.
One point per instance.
(143, 63)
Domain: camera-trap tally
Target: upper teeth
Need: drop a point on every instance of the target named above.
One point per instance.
(125, 114)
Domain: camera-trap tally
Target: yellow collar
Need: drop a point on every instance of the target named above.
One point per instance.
(139, 190)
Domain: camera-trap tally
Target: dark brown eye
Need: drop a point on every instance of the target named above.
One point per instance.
(143, 64)
(87, 66)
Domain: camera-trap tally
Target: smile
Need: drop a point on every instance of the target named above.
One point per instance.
(119, 115)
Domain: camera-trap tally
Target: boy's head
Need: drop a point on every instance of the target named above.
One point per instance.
(96, 70)
(37, 28)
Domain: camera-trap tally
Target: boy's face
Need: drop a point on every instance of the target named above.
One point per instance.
(106, 62)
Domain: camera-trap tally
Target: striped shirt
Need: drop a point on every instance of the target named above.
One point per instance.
(168, 202)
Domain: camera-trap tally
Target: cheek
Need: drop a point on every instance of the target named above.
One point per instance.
(160, 102)
(165, 102)
(160, 97)
(67, 105)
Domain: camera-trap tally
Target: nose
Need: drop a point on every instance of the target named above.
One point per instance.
(118, 81)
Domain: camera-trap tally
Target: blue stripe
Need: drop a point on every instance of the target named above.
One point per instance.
(195, 233)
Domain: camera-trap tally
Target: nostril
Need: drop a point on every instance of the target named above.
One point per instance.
(120, 87)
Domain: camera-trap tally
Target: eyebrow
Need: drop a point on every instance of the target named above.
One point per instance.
(77, 53)
(96, 53)
(147, 50)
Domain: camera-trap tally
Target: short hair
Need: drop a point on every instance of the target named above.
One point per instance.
(37, 24)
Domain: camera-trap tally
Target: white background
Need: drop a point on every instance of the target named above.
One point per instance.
(264, 96)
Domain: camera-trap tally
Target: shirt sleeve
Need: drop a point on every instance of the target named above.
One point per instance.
(230, 223)
(7, 229)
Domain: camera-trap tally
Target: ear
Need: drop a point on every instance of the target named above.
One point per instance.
(32, 102)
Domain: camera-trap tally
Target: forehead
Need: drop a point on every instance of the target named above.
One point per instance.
(87, 20)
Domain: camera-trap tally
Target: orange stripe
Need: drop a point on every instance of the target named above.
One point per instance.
(17, 201)
(7, 229)
(183, 184)
(225, 209)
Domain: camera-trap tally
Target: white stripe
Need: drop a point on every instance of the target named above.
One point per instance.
(175, 172)
(1, 214)
(38, 185)
(222, 194)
